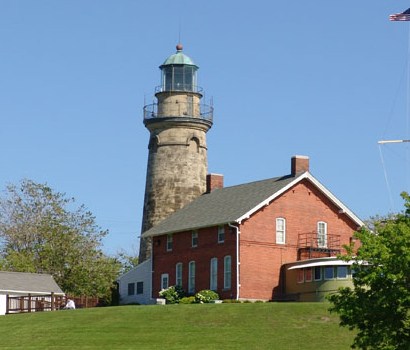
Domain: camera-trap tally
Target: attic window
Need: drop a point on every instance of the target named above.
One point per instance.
(169, 243)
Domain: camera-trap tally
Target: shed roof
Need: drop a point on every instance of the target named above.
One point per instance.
(24, 282)
(235, 204)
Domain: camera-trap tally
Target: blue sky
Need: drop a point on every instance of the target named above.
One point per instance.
(320, 78)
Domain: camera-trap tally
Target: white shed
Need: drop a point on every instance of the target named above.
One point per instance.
(135, 285)
(14, 284)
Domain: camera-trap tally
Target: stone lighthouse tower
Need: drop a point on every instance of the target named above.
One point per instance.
(177, 159)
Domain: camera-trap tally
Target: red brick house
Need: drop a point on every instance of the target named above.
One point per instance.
(235, 240)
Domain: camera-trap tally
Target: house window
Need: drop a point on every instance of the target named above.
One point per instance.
(164, 281)
(169, 243)
(194, 239)
(227, 272)
(178, 274)
(131, 288)
(342, 272)
(318, 273)
(329, 272)
(221, 234)
(300, 275)
(308, 274)
(322, 234)
(191, 277)
(213, 285)
(280, 231)
(140, 287)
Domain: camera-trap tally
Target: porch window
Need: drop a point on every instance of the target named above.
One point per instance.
(308, 275)
(300, 276)
(318, 273)
(329, 272)
(280, 231)
(341, 272)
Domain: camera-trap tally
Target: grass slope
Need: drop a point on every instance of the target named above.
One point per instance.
(207, 326)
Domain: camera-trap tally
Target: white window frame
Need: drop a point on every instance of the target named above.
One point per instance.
(178, 274)
(280, 230)
(227, 272)
(164, 281)
(346, 274)
(326, 268)
(320, 273)
(322, 234)
(170, 240)
(194, 239)
(213, 274)
(221, 234)
(307, 279)
(191, 277)
(300, 276)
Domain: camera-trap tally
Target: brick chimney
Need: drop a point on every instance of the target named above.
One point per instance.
(214, 181)
(299, 164)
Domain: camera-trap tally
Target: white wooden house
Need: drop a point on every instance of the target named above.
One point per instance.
(34, 285)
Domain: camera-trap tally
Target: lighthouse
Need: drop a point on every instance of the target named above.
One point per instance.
(177, 152)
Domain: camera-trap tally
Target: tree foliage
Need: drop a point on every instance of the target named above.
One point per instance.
(378, 304)
(43, 231)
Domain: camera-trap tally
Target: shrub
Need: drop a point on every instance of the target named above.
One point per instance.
(188, 300)
(206, 296)
(172, 294)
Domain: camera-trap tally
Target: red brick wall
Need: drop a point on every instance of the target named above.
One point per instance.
(260, 258)
(208, 248)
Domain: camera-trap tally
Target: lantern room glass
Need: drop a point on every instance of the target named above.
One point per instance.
(179, 78)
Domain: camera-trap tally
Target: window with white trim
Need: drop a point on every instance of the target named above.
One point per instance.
(300, 276)
(322, 234)
(308, 274)
(342, 272)
(169, 243)
(329, 272)
(227, 272)
(191, 277)
(221, 233)
(280, 231)
(318, 273)
(194, 239)
(178, 274)
(213, 284)
(164, 281)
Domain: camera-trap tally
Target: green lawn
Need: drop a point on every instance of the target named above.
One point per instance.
(199, 326)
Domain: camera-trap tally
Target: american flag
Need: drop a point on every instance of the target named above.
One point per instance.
(404, 16)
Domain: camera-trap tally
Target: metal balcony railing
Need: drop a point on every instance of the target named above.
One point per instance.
(179, 87)
(314, 245)
(182, 109)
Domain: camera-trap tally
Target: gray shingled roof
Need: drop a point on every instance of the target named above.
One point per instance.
(28, 283)
(221, 206)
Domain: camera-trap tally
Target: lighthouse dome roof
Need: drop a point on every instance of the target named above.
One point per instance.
(179, 58)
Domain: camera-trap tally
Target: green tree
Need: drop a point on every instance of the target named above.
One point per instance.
(127, 261)
(45, 232)
(377, 306)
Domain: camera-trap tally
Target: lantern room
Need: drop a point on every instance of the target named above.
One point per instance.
(178, 73)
